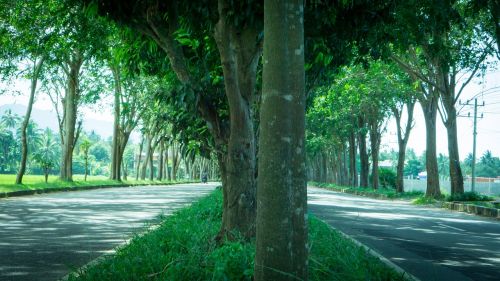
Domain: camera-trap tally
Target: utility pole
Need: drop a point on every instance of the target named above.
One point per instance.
(474, 137)
(474, 134)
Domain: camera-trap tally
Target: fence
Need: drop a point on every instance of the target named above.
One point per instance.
(486, 188)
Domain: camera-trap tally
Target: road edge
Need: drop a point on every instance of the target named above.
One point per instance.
(376, 254)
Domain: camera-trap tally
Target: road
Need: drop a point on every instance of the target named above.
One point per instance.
(44, 237)
(430, 243)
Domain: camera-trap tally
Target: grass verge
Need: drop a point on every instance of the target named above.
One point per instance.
(384, 192)
(37, 182)
(182, 248)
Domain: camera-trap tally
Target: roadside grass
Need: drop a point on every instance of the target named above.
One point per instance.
(35, 182)
(416, 197)
(387, 192)
(183, 248)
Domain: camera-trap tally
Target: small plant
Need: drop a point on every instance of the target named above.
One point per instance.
(468, 196)
(423, 200)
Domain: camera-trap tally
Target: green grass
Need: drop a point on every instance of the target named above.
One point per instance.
(183, 248)
(35, 182)
(389, 193)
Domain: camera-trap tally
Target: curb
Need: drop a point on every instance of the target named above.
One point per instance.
(79, 188)
(473, 209)
(77, 272)
(376, 254)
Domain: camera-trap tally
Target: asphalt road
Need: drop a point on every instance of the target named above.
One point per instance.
(44, 237)
(430, 243)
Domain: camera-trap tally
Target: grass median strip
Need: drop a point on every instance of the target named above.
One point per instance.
(382, 192)
(36, 182)
(182, 248)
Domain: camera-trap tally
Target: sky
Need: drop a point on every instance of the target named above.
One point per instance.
(486, 89)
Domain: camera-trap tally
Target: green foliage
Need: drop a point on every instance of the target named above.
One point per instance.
(468, 196)
(387, 178)
(424, 200)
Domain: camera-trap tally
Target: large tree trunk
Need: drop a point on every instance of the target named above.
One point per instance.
(115, 155)
(24, 139)
(403, 138)
(175, 161)
(363, 155)
(239, 53)
(281, 251)
(456, 177)
(70, 112)
(429, 108)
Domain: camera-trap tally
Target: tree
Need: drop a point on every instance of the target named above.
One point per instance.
(84, 149)
(31, 35)
(46, 156)
(281, 251)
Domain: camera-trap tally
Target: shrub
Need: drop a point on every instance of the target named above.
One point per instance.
(468, 196)
(387, 178)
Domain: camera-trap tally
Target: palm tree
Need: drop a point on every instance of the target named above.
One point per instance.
(46, 156)
(84, 149)
(9, 119)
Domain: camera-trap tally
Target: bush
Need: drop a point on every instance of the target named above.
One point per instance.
(387, 178)
(468, 196)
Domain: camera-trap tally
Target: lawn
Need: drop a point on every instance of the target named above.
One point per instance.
(183, 248)
(34, 182)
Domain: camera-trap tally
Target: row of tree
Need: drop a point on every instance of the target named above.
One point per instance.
(226, 78)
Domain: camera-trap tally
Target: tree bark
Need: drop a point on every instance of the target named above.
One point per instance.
(115, 157)
(148, 154)
(375, 136)
(429, 108)
(281, 251)
(403, 138)
(353, 173)
(70, 111)
(239, 52)
(160, 162)
(363, 155)
(24, 138)
(139, 158)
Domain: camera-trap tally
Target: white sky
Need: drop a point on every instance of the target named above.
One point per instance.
(487, 89)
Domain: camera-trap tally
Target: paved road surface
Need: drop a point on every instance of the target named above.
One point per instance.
(44, 237)
(431, 244)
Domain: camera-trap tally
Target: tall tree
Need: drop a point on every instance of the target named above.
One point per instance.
(281, 251)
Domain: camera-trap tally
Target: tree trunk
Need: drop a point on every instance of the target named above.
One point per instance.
(46, 174)
(175, 161)
(86, 166)
(24, 139)
(70, 112)
(363, 155)
(168, 169)
(403, 138)
(146, 161)
(353, 173)
(281, 251)
(139, 158)
(430, 112)
(160, 162)
(375, 136)
(151, 163)
(456, 177)
(239, 54)
(115, 157)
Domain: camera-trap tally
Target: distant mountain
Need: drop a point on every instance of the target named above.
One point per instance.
(48, 118)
